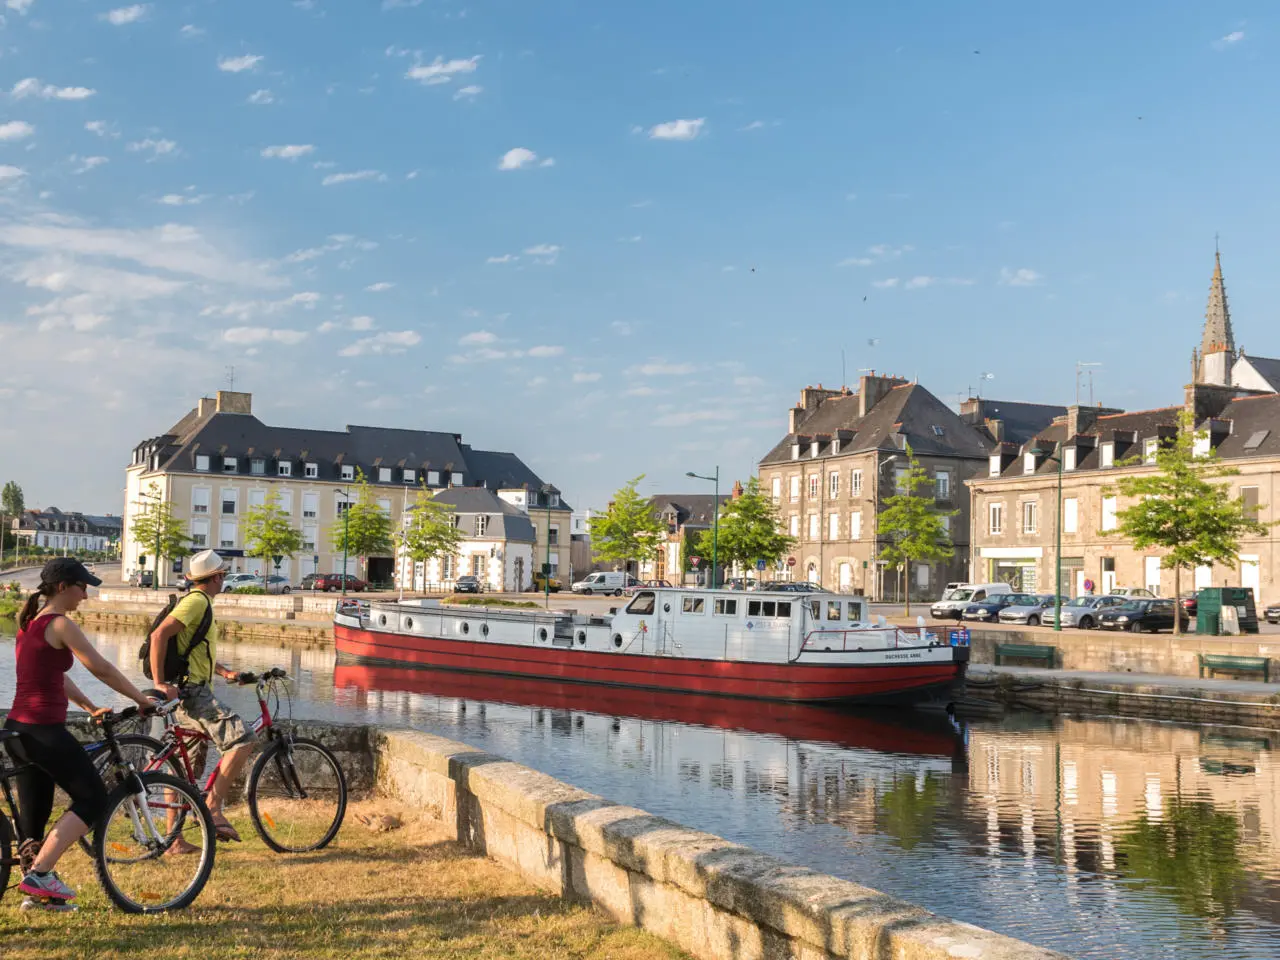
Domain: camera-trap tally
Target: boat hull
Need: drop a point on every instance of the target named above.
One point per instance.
(900, 682)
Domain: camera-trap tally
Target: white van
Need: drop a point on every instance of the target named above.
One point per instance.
(953, 602)
(612, 582)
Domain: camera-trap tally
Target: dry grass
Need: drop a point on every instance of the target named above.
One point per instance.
(409, 893)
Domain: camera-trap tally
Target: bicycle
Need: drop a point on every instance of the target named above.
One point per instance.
(296, 791)
(146, 813)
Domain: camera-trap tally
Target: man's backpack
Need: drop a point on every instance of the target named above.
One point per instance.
(176, 663)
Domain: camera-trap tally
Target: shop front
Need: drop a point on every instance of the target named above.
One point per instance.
(1017, 566)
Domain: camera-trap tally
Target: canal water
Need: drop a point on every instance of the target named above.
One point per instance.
(1099, 837)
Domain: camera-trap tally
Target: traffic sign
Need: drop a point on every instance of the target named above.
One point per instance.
(791, 561)
(695, 560)
(760, 564)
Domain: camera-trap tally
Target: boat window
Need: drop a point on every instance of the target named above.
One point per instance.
(643, 603)
(784, 608)
(692, 605)
(815, 607)
(753, 608)
(833, 609)
(726, 608)
(855, 611)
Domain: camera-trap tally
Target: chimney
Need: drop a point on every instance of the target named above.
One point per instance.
(737, 490)
(1207, 400)
(230, 402)
(871, 389)
(1081, 419)
(995, 429)
(205, 407)
(796, 417)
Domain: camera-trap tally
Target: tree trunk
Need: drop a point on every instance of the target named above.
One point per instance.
(1177, 600)
(906, 587)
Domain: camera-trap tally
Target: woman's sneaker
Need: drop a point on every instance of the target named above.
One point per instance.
(45, 887)
(56, 906)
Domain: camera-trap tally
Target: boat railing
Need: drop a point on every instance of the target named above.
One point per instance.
(854, 638)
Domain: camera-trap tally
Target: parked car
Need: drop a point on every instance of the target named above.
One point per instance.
(308, 582)
(555, 585)
(273, 584)
(609, 582)
(631, 589)
(1030, 613)
(1131, 592)
(332, 582)
(988, 610)
(957, 599)
(468, 584)
(792, 586)
(144, 578)
(1140, 615)
(1272, 613)
(1083, 612)
(1190, 603)
(233, 581)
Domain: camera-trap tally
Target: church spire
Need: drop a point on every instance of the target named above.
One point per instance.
(1217, 345)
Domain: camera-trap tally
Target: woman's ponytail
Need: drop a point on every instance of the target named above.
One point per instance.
(29, 610)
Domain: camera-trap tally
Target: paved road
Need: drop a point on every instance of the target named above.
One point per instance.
(29, 579)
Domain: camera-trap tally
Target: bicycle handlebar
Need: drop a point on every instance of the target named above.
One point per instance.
(156, 709)
(275, 673)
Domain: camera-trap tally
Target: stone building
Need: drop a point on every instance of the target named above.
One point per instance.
(686, 516)
(497, 546)
(219, 460)
(64, 530)
(845, 452)
(1016, 515)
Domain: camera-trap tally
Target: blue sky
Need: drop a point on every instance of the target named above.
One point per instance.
(616, 239)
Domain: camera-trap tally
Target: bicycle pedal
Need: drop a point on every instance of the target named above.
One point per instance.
(49, 904)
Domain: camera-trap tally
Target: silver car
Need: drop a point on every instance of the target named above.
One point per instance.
(1083, 612)
(1031, 613)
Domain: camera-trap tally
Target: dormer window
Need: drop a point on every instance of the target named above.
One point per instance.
(311, 471)
(455, 479)
(1028, 463)
(1069, 458)
(994, 468)
(555, 499)
(284, 469)
(813, 449)
(1149, 448)
(348, 472)
(939, 431)
(202, 463)
(1108, 454)
(795, 451)
(229, 465)
(433, 478)
(384, 474)
(835, 446)
(482, 524)
(258, 467)
(1203, 444)
(409, 476)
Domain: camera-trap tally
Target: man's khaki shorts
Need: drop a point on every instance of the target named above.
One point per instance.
(201, 710)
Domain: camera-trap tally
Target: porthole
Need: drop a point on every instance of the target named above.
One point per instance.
(666, 608)
(484, 629)
(382, 619)
(408, 623)
(542, 634)
(582, 638)
(466, 627)
(617, 640)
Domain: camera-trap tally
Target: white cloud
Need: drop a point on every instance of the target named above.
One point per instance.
(916, 283)
(545, 351)
(8, 173)
(468, 92)
(183, 199)
(261, 97)
(581, 377)
(659, 368)
(122, 15)
(379, 287)
(888, 284)
(101, 128)
(394, 4)
(546, 253)
(239, 64)
(289, 151)
(753, 125)
(251, 335)
(632, 239)
(641, 392)
(537, 382)
(16, 130)
(158, 148)
(87, 163)
(335, 178)
(505, 258)
(686, 418)
(1022, 277)
(878, 253)
(677, 129)
(517, 158)
(363, 322)
(440, 70)
(19, 6)
(190, 30)
(748, 382)
(621, 328)
(31, 87)
(856, 262)
(1231, 39)
(479, 336)
(382, 343)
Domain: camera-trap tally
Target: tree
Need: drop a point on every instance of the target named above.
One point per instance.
(366, 530)
(268, 533)
(1181, 510)
(913, 524)
(431, 529)
(749, 530)
(12, 502)
(629, 531)
(156, 531)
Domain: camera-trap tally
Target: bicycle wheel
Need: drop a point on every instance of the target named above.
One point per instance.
(138, 749)
(131, 846)
(6, 853)
(297, 795)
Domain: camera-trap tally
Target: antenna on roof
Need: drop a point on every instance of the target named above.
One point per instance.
(844, 381)
(1080, 364)
(231, 379)
(982, 378)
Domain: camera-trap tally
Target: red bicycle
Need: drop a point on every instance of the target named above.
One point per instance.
(297, 792)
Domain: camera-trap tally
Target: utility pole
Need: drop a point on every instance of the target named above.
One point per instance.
(715, 523)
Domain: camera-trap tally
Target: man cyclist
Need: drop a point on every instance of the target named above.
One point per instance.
(200, 709)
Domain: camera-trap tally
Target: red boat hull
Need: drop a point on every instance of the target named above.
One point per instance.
(904, 682)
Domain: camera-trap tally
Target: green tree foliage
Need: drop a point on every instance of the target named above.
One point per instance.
(1179, 509)
(913, 524)
(268, 533)
(153, 524)
(750, 530)
(431, 530)
(12, 502)
(366, 530)
(629, 531)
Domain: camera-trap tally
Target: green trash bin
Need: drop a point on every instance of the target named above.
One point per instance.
(1211, 600)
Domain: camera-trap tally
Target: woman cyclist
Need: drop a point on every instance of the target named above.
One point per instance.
(48, 644)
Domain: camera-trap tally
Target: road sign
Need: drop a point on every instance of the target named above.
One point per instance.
(760, 564)
(695, 560)
(1088, 586)
(791, 561)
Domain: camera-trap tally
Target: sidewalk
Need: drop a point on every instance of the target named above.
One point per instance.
(1151, 683)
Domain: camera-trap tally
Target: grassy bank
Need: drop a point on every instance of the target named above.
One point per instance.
(404, 893)
(487, 602)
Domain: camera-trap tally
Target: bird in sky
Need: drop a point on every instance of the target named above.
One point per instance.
(874, 341)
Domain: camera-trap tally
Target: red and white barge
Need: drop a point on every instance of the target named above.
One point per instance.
(804, 647)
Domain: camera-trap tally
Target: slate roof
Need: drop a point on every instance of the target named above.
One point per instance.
(506, 522)
(1267, 368)
(909, 409)
(692, 509)
(1021, 421)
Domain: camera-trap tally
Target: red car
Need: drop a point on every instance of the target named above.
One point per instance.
(332, 583)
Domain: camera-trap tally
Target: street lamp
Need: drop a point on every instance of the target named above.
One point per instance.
(1057, 535)
(715, 524)
(546, 566)
(346, 521)
(155, 576)
(875, 518)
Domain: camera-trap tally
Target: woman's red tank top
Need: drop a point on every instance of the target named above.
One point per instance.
(39, 696)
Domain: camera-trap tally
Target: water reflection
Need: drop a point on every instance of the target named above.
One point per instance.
(1100, 838)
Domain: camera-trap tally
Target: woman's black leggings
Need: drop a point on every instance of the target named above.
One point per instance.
(57, 759)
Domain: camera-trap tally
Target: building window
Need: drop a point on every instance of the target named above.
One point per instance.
(310, 505)
(228, 464)
(1028, 463)
(1109, 513)
(1249, 496)
(995, 518)
(1069, 458)
(855, 526)
(477, 564)
(348, 472)
(200, 500)
(833, 484)
(410, 476)
(200, 533)
(226, 535)
(795, 451)
(385, 506)
(814, 480)
(1070, 515)
(942, 485)
(553, 535)
(311, 471)
(777, 489)
(258, 467)
(455, 479)
(855, 483)
(795, 489)
(900, 479)
(257, 498)
(229, 502)
(1108, 454)
(1030, 516)
(482, 524)
(555, 497)
(433, 478)
(309, 533)
(340, 506)
(285, 500)
(384, 474)
(993, 469)
(946, 525)
(284, 469)
(833, 526)
(1149, 448)
(793, 525)
(813, 526)
(202, 463)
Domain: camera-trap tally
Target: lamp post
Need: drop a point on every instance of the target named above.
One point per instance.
(155, 560)
(875, 519)
(546, 566)
(1057, 537)
(346, 522)
(715, 524)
